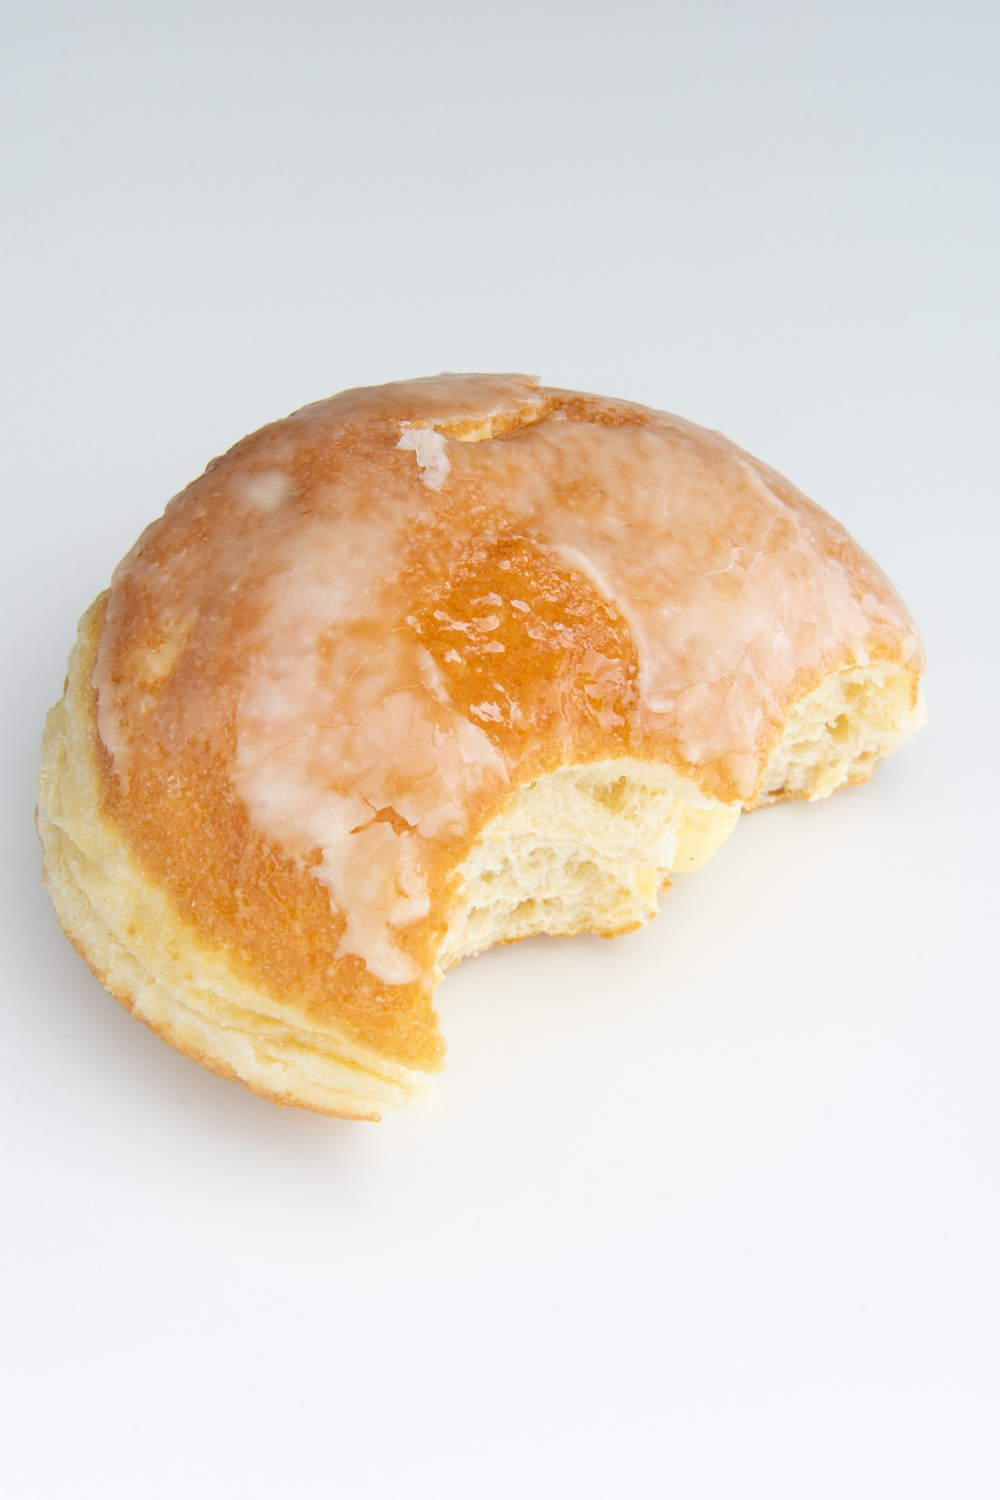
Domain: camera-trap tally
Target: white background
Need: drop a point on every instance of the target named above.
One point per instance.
(711, 1211)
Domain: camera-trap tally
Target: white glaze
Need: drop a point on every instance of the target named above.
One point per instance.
(431, 449)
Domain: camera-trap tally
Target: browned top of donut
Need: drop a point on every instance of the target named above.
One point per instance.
(339, 649)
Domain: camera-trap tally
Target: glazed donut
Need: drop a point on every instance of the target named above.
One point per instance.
(430, 666)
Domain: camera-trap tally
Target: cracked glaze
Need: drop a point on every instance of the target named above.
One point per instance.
(380, 614)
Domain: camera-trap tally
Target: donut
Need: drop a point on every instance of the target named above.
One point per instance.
(430, 666)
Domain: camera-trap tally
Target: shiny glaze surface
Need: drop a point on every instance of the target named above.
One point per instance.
(338, 650)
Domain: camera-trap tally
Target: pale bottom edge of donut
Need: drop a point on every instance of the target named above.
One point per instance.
(128, 933)
(284, 1071)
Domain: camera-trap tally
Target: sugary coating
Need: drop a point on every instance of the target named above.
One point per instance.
(342, 647)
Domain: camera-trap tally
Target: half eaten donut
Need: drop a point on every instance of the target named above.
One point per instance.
(430, 666)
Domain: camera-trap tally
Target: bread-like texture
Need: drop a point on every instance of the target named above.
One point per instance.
(836, 735)
(430, 667)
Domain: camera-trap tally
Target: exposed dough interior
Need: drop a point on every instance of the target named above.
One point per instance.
(839, 732)
(589, 848)
(584, 849)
